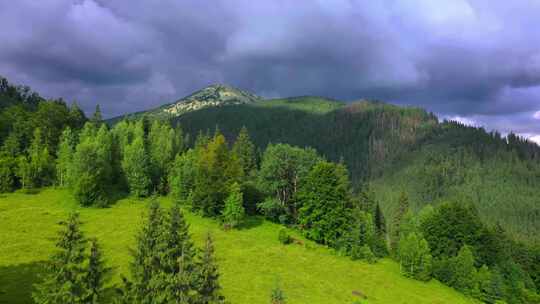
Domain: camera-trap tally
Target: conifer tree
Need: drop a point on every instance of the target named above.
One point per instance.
(244, 150)
(97, 118)
(209, 290)
(96, 274)
(146, 259)
(403, 208)
(63, 282)
(234, 213)
(163, 144)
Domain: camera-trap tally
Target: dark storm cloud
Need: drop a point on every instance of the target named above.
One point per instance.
(475, 60)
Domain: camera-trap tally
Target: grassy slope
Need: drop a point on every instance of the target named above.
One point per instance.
(249, 259)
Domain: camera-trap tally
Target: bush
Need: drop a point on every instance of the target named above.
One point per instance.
(284, 237)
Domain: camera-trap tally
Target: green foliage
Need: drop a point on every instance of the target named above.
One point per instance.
(244, 150)
(282, 172)
(136, 167)
(91, 171)
(182, 175)
(8, 165)
(36, 169)
(64, 281)
(277, 296)
(284, 237)
(464, 272)
(396, 231)
(451, 226)
(163, 144)
(233, 213)
(96, 274)
(64, 157)
(325, 203)
(216, 171)
(209, 289)
(414, 257)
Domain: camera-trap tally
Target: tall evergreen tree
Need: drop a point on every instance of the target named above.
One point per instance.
(163, 144)
(97, 118)
(403, 208)
(209, 289)
(146, 259)
(63, 282)
(182, 176)
(96, 274)
(244, 150)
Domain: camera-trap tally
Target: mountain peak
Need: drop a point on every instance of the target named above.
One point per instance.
(212, 96)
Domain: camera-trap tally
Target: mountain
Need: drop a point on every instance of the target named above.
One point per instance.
(216, 95)
(388, 148)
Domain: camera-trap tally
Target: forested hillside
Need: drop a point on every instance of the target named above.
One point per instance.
(399, 149)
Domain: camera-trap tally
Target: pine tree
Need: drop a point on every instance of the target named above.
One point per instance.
(244, 150)
(97, 118)
(96, 274)
(403, 208)
(63, 283)
(209, 290)
(146, 258)
(234, 213)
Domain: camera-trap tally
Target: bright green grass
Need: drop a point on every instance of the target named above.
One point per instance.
(250, 259)
(311, 104)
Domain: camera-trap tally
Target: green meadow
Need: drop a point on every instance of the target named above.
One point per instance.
(251, 259)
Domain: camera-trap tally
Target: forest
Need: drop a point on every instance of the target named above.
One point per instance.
(435, 226)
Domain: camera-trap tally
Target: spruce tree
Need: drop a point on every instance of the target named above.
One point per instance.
(96, 274)
(146, 257)
(97, 118)
(182, 176)
(234, 213)
(209, 290)
(64, 280)
(244, 150)
(403, 208)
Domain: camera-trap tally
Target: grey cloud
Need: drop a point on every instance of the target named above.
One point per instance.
(470, 58)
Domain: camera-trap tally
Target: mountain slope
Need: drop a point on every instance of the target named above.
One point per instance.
(399, 149)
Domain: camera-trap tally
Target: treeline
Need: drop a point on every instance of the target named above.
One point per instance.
(166, 266)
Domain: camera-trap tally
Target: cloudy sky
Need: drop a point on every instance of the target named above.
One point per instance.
(476, 61)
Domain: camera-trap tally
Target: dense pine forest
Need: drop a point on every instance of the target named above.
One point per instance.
(369, 180)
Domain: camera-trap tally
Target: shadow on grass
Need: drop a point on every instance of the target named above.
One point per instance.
(16, 282)
(251, 222)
